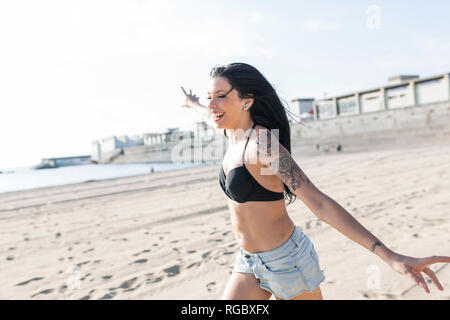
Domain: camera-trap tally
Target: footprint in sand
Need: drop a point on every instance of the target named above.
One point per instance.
(127, 284)
(158, 279)
(47, 291)
(9, 258)
(172, 271)
(211, 286)
(194, 264)
(191, 251)
(87, 275)
(107, 277)
(82, 263)
(141, 261)
(28, 281)
(144, 251)
(206, 254)
(132, 289)
(86, 297)
(380, 295)
(108, 296)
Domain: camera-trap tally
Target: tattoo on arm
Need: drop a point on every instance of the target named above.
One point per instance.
(289, 171)
(376, 243)
(282, 163)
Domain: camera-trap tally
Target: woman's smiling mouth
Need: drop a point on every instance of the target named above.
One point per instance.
(218, 115)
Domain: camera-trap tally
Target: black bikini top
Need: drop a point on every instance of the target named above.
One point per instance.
(240, 185)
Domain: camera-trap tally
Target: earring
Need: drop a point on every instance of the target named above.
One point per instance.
(245, 107)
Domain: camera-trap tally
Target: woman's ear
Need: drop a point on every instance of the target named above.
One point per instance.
(249, 103)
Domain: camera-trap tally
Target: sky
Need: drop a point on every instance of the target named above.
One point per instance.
(72, 72)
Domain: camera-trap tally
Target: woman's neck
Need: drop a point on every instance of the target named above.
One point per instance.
(240, 133)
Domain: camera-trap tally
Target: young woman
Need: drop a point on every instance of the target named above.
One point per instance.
(258, 174)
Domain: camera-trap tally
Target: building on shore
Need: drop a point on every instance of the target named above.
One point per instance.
(305, 108)
(107, 149)
(407, 107)
(401, 91)
(113, 144)
(202, 130)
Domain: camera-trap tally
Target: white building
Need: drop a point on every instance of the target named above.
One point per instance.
(401, 91)
(109, 144)
(305, 107)
(201, 129)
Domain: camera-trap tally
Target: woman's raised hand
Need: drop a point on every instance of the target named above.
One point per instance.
(191, 99)
(413, 268)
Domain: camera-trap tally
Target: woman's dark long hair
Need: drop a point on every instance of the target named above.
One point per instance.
(266, 110)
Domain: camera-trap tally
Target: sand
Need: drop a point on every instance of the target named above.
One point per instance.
(168, 235)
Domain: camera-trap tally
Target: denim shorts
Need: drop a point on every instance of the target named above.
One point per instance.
(285, 271)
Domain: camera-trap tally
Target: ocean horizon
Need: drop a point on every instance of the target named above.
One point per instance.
(26, 178)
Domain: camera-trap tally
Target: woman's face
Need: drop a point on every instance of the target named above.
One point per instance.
(226, 107)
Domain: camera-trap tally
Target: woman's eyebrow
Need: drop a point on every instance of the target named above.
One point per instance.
(218, 91)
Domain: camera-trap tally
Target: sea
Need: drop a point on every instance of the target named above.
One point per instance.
(25, 178)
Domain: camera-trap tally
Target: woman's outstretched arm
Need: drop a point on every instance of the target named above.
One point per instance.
(274, 156)
(278, 160)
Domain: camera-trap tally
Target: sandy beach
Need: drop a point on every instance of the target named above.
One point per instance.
(168, 235)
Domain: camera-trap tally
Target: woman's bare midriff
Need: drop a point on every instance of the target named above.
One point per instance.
(260, 225)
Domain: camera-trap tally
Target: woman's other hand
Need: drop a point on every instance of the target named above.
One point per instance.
(191, 99)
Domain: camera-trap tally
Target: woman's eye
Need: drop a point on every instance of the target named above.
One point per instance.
(209, 98)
